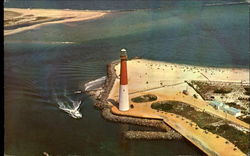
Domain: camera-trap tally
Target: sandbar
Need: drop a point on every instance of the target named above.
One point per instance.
(27, 19)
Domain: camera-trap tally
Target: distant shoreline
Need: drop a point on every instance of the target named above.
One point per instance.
(27, 19)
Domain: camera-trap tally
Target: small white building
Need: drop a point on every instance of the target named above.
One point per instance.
(216, 104)
(233, 111)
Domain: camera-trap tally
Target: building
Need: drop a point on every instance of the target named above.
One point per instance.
(123, 91)
(233, 111)
(223, 107)
(216, 104)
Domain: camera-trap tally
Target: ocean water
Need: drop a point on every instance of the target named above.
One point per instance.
(45, 61)
(105, 4)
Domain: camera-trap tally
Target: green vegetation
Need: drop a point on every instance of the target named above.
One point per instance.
(247, 88)
(244, 98)
(203, 87)
(233, 104)
(239, 138)
(144, 98)
(185, 110)
(206, 121)
(223, 90)
(247, 93)
(163, 106)
(246, 119)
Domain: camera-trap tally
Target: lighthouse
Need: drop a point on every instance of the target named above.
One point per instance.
(123, 92)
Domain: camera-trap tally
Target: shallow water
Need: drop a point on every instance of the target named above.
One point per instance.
(40, 61)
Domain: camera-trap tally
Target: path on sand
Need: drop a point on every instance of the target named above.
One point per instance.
(206, 141)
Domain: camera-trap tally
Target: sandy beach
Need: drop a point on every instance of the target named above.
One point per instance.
(26, 19)
(167, 81)
(154, 74)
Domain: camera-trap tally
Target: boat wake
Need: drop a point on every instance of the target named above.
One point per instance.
(68, 105)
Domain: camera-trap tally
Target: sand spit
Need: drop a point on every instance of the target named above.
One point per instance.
(168, 81)
(26, 19)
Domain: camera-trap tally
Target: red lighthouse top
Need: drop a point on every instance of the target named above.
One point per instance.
(123, 70)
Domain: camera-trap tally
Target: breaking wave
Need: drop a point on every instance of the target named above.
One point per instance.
(95, 84)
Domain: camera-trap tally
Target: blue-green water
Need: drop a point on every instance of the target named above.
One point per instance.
(39, 63)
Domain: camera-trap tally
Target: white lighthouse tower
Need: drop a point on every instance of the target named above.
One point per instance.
(123, 93)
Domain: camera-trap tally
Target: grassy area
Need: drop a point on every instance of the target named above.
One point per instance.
(247, 93)
(239, 138)
(185, 110)
(144, 98)
(203, 87)
(223, 90)
(247, 88)
(234, 105)
(206, 121)
(246, 119)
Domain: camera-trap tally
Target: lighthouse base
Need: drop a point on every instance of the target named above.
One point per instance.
(123, 98)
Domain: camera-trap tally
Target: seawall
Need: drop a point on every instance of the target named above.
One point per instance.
(165, 132)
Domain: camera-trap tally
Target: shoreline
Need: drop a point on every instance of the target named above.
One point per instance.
(103, 105)
(176, 75)
(239, 67)
(49, 16)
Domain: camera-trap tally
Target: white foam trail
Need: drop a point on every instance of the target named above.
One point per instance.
(229, 3)
(92, 85)
(73, 111)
